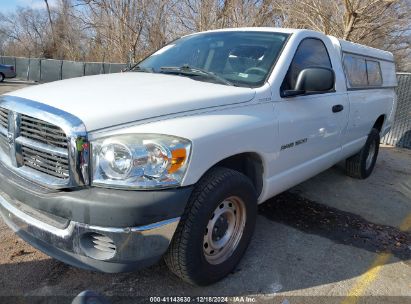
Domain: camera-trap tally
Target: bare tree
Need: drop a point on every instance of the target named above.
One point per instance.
(26, 32)
(193, 15)
(111, 30)
(51, 24)
(384, 24)
(115, 26)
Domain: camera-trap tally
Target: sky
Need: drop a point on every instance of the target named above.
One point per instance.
(10, 5)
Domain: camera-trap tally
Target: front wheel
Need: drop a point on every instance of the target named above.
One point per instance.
(1, 77)
(362, 164)
(216, 228)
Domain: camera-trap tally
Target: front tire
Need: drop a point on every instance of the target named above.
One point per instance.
(1, 77)
(215, 229)
(362, 164)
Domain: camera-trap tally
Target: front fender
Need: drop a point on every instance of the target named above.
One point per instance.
(218, 134)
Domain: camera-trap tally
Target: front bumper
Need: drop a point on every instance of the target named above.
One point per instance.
(103, 249)
(94, 228)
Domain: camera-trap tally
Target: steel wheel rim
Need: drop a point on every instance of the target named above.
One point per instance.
(370, 156)
(224, 230)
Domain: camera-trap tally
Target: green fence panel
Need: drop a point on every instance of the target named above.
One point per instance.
(50, 70)
(71, 69)
(117, 67)
(93, 68)
(34, 69)
(22, 68)
(9, 60)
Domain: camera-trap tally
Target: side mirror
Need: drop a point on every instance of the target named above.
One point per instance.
(315, 79)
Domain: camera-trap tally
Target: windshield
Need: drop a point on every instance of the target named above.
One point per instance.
(241, 58)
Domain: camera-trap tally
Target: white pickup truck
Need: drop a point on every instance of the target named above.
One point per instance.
(113, 172)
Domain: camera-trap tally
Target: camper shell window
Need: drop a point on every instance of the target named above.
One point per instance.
(362, 72)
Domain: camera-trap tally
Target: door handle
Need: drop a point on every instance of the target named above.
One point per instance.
(337, 108)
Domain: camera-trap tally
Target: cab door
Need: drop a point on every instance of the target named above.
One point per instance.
(310, 125)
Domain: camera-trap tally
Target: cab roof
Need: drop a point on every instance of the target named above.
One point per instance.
(346, 46)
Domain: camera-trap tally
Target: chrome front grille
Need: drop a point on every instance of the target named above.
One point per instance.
(47, 163)
(41, 131)
(44, 148)
(42, 143)
(4, 114)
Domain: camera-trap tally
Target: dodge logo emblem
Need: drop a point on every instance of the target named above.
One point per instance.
(10, 138)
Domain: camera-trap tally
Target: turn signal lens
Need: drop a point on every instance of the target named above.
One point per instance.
(178, 158)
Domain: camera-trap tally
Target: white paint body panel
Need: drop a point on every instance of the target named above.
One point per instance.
(351, 47)
(101, 101)
(223, 121)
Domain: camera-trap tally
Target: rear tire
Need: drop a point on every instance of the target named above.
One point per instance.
(362, 164)
(1, 77)
(215, 229)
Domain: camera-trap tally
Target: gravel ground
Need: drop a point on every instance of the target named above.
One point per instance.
(312, 244)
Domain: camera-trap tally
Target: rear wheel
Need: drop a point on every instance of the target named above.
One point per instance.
(215, 229)
(1, 77)
(362, 164)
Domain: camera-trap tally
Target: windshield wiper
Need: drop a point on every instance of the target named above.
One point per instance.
(138, 68)
(187, 70)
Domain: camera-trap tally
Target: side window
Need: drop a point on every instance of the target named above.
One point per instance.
(374, 73)
(362, 72)
(356, 70)
(310, 53)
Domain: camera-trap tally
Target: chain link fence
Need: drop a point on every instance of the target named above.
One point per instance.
(400, 134)
(46, 70)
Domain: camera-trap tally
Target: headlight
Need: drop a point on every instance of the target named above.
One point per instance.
(140, 161)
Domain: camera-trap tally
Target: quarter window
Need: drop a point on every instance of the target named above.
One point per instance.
(356, 70)
(362, 72)
(310, 53)
(374, 73)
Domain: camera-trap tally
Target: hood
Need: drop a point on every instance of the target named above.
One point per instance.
(106, 100)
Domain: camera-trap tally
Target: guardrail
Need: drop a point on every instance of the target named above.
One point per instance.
(46, 70)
